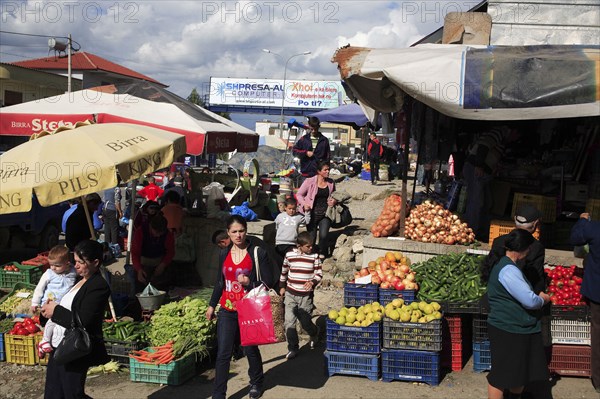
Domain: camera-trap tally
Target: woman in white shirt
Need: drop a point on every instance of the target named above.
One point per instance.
(88, 298)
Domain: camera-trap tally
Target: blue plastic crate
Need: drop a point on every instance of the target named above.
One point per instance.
(365, 175)
(412, 336)
(404, 365)
(386, 295)
(2, 355)
(352, 364)
(353, 339)
(360, 294)
(482, 357)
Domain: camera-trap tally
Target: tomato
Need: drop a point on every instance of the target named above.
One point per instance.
(28, 322)
(21, 331)
(36, 319)
(31, 328)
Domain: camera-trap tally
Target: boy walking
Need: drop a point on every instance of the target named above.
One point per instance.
(301, 273)
(286, 224)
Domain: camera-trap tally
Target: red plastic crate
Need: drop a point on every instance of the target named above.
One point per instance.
(571, 360)
(454, 329)
(456, 343)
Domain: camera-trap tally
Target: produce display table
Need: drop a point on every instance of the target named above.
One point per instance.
(420, 251)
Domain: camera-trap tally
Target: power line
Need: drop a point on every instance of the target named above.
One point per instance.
(46, 36)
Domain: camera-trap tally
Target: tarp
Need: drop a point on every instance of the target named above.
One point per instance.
(350, 114)
(477, 82)
(140, 103)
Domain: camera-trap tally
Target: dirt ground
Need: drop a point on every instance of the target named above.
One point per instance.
(303, 377)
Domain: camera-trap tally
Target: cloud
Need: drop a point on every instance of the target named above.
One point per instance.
(184, 43)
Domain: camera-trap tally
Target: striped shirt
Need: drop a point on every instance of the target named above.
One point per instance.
(488, 150)
(299, 268)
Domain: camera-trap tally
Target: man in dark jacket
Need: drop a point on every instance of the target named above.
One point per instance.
(587, 232)
(311, 148)
(77, 224)
(374, 151)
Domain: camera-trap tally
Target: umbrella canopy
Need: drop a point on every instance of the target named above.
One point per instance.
(140, 103)
(349, 114)
(75, 162)
(477, 82)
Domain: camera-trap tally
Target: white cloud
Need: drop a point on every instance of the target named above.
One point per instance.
(183, 43)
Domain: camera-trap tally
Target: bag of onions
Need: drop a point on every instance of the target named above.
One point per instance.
(430, 222)
(389, 220)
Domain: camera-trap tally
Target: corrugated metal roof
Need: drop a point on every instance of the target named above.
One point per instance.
(83, 61)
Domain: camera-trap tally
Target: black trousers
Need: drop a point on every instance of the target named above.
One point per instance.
(64, 382)
(111, 226)
(374, 163)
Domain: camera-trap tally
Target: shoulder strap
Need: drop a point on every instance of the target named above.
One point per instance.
(257, 263)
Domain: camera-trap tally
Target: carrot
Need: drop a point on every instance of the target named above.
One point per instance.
(166, 360)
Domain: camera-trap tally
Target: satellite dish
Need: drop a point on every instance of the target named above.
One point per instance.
(56, 45)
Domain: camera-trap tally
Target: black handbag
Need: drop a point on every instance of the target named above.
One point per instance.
(345, 218)
(75, 344)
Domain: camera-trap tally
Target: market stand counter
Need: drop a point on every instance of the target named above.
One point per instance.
(422, 251)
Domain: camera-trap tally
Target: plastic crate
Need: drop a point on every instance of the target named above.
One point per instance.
(353, 339)
(44, 361)
(364, 175)
(16, 288)
(386, 295)
(175, 373)
(26, 274)
(482, 356)
(571, 332)
(455, 355)
(547, 205)
(119, 350)
(592, 206)
(412, 336)
(570, 312)
(452, 327)
(406, 365)
(480, 329)
(500, 227)
(360, 294)
(352, 364)
(20, 349)
(462, 307)
(571, 360)
(2, 352)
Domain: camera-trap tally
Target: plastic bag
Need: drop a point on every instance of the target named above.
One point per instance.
(185, 248)
(150, 291)
(245, 212)
(216, 203)
(255, 318)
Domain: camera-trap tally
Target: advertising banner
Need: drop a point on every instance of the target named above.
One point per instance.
(317, 94)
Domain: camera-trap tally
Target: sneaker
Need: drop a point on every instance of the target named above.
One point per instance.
(291, 354)
(255, 392)
(373, 183)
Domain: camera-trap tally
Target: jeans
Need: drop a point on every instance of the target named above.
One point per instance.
(298, 308)
(374, 163)
(111, 226)
(323, 224)
(227, 329)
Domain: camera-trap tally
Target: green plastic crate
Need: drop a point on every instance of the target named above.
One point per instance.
(175, 373)
(26, 274)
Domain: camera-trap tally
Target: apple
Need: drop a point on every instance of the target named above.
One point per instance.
(385, 285)
(405, 269)
(364, 271)
(375, 280)
(394, 280)
(399, 286)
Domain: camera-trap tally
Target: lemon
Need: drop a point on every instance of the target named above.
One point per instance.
(376, 316)
(351, 318)
(360, 317)
(343, 312)
(352, 310)
(341, 320)
(333, 314)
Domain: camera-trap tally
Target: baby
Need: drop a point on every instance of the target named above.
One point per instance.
(53, 285)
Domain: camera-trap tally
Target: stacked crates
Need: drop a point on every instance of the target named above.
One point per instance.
(571, 341)
(354, 350)
(456, 341)
(411, 351)
(482, 357)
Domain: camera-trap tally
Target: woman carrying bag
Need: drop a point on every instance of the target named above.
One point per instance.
(87, 299)
(238, 275)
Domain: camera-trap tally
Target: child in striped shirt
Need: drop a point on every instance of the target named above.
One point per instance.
(300, 274)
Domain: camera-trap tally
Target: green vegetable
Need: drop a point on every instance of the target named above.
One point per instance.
(453, 277)
(6, 325)
(183, 322)
(131, 331)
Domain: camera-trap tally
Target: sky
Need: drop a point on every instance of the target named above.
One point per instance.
(183, 43)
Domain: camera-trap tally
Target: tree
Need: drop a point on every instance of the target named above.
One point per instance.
(195, 98)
